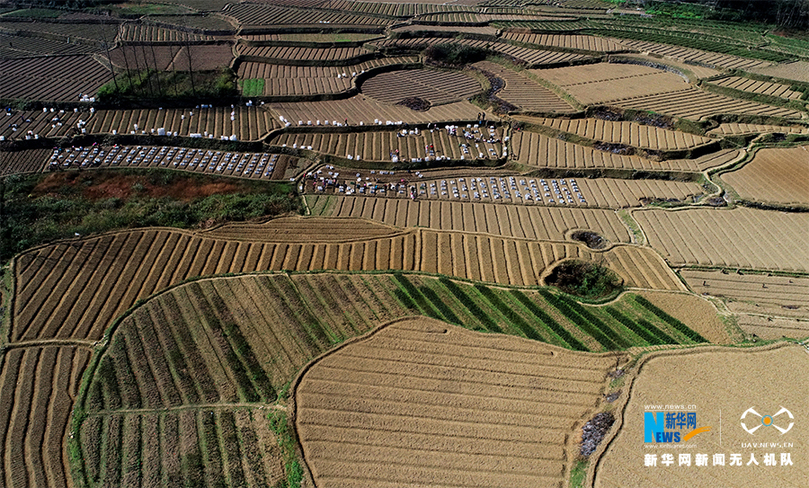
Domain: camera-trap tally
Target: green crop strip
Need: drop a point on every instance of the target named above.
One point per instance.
(681, 327)
(577, 319)
(252, 87)
(473, 308)
(419, 299)
(549, 321)
(510, 314)
(633, 326)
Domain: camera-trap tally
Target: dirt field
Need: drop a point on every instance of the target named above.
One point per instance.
(64, 79)
(723, 388)
(762, 87)
(605, 82)
(629, 133)
(738, 238)
(737, 129)
(524, 92)
(753, 293)
(364, 110)
(774, 176)
(293, 54)
(541, 223)
(796, 70)
(395, 418)
(286, 80)
(696, 104)
(698, 71)
(437, 87)
(539, 150)
(699, 314)
(587, 43)
(695, 56)
(385, 145)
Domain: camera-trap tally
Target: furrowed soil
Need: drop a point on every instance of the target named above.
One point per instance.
(778, 176)
(421, 401)
(728, 383)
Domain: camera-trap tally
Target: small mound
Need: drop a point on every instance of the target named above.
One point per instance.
(590, 239)
(585, 279)
(416, 103)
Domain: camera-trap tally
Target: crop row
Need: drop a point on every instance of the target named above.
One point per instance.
(13, 46)
(651, 40)
(587, 43)
(210, 447)
(393, 9)
(253, 14)
(62, 79)
(523, 92)
(288, 53)
(676, 324)
(762, 87)
(157, 33)
(437, 87)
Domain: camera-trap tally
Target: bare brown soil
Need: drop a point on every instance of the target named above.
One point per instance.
(774, 176)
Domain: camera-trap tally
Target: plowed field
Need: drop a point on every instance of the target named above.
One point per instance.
(753, 293)
(586, 43)
(297, 54)
(695, 56)
(361, 109)
(524, 92)
(385, 145)
(37, 388)
(797, 70)
(62, 79)
(539, 223)
(437, 87)
(695, 104)
(28, 161)
(769, 328)
(540, 150)
(738, 238)
(285, 80)
(628, 133)
(723, 389)
(421, 401)
(605, 82)
(762, 87)
(734, 128)
(775, 176)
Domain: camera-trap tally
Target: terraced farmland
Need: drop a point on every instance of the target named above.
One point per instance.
(365, 429)
(259, 15)
(607, 82)
(389, 145)
(533, 57)
(524, 92)
(539, 150)
(363, 110)
(13, 46)
(63, 79)
(796, 70)
(734, 128)
(761, 87)
(773, 175)
(437, 87)
(695, 56)
(154, 33)
(26, 161)
(737, 238)
(753, 293)
(623, 132)
(286, 80)
(524, 222)
(695, 104)
(585, 43)
(243, 165)
(297, 55)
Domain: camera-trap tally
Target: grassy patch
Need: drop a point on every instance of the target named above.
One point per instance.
(284, 435)
(252, 87)
(578, 474)
(42, 208)
(187, 86)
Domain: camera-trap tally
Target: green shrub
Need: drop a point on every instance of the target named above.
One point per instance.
(585, 279)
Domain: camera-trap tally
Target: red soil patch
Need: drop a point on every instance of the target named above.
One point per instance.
(97, 186)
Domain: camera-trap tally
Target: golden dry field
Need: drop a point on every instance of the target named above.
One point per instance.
(731, 381)
(779, 176)
(422, 401)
